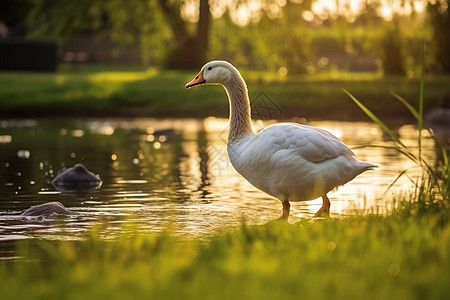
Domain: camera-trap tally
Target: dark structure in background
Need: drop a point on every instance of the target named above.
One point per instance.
(27, 55)
(87, 49)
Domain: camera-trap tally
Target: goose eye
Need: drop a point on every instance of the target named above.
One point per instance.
(210, 68)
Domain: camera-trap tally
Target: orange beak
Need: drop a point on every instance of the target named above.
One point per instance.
(197, 80)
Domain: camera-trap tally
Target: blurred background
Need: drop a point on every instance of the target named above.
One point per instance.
(290, 37)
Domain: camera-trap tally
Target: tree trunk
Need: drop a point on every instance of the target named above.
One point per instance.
(440, 20)
(392, 48)
(191, 49)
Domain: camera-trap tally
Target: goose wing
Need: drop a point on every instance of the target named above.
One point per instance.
(313, 144)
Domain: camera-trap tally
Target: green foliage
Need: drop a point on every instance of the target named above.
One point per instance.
(270, 40)
(369, 257)
(269, 44)
(62, 19)
(134, 23)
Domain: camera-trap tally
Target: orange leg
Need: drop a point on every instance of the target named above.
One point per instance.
(325, 209)
(286, 210)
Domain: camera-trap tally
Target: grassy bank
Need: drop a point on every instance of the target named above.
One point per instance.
(372, 257)
(135, 91)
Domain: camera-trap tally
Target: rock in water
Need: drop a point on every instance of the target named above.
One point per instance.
(78, 175)
(47, 209)
(76, 180)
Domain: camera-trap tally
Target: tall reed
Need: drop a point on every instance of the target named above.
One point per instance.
(432, 189)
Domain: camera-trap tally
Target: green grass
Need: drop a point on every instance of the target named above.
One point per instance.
(136, 91)
(372, 257)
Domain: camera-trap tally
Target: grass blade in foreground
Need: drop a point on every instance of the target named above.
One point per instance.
(413, 111)
(374, 118)
(402, 147)
(433, 189)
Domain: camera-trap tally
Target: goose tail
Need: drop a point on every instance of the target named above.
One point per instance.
(365, 166)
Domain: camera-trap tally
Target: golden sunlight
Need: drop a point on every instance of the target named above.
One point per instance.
(350, 9)
(243, 13)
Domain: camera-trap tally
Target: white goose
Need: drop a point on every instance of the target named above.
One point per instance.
(288, 161)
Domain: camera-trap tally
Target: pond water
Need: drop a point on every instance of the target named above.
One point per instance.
(170, 173)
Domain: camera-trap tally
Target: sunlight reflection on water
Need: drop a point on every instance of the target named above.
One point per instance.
(183, 181)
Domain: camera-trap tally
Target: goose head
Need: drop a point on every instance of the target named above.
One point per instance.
(214, 72)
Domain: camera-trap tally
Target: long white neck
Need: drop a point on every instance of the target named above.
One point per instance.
(240, 119)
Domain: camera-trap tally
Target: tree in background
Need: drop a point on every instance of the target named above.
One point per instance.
(12, 15)
(176, 32)
(439, 15)
(272, 40)
(129, 23)
(192, 47)
(257, 33)
(392, 59)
